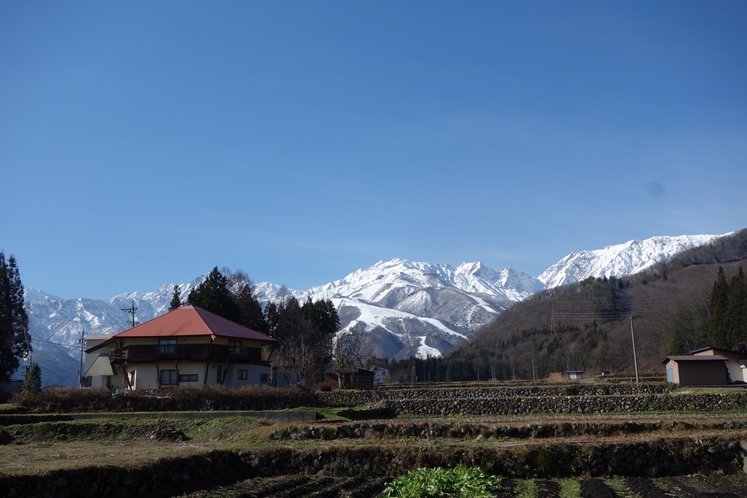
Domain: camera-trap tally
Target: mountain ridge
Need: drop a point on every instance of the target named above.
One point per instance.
(408, 307)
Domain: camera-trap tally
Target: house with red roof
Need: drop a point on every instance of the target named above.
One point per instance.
(188, 346)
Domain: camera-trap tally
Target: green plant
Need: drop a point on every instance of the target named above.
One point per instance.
(526, 489)
(570, 488)
(440, 482)
(620, 489)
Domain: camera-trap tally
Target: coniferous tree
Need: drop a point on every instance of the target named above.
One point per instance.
(214, 295)
(250, 310)
(717, 332)
(735, 313)
(32, 382)
(14, 322)
(272, 319)
(305, 332)
(176, 299)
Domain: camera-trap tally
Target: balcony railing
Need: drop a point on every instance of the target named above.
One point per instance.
(171, 351)
(182, 352)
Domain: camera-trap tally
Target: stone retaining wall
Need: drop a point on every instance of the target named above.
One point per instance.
(169, 477)
(357, 398)
(460, 429)
(569, 404)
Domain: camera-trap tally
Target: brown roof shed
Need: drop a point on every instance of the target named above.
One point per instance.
(707, 370)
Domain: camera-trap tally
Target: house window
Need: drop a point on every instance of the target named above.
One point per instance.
(264, 378)
(166, 346)
(234, 347)
(169, 377)
(243, 375)
(188, 378)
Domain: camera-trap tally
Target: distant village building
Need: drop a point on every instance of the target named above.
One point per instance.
(188, 346)
(574, 374)
(555, 376)
(353, 378)
(381, 375)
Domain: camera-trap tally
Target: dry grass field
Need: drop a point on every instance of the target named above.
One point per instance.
(43, 448)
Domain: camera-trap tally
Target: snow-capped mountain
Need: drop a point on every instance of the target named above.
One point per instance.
(409, 308)
(619, 260)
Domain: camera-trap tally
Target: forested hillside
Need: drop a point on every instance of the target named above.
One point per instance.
(588, 325)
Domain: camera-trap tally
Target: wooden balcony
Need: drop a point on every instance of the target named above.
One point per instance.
(187, 352)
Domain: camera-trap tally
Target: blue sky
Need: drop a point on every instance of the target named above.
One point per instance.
(144, 143)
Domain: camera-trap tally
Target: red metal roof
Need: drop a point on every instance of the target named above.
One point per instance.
(189, 321)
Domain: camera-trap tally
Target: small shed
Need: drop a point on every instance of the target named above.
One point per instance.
(734, 361)
(696, 370)
(555, 376)
(574, 374)
(353, 378)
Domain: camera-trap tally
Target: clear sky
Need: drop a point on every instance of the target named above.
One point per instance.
(143, 143)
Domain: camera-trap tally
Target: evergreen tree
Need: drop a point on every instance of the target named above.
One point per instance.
(306, 334)
(272, 319)
(735, 313)
(176, 299)
(214, 295)
(323, 315)
(250, 310)
(717, 331)
(32, 382)
(14, 322)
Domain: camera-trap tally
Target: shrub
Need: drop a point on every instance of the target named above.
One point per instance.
(437, 482)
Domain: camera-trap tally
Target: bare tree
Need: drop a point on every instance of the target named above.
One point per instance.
(351, 350)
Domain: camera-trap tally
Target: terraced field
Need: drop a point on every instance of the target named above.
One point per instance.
(565, 455)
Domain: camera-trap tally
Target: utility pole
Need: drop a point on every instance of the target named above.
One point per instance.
(635, 360)
(131, 310)
(31, 351)
(81, 341)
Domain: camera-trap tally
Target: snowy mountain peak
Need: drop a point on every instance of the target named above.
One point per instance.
(620, 259)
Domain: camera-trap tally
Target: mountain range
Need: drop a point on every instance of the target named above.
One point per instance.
(409, 308)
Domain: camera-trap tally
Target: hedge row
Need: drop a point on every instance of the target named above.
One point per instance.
(172, 399)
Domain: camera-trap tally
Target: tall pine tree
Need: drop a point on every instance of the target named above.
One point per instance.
(214, 295)
(176, 299)
(719, 304)
(14, 322)
(735, 312)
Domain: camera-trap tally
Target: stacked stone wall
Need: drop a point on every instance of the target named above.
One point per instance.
(344, 397)
(169, 477)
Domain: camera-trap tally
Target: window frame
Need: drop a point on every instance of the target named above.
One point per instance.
(172, 380)
(166, 346)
